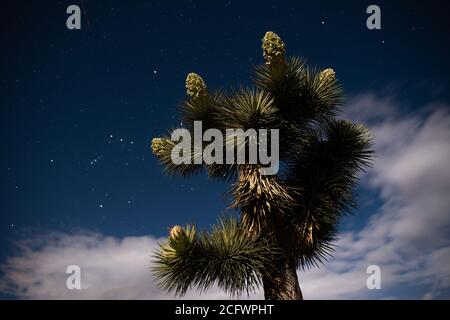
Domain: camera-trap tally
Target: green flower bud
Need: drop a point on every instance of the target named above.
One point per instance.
(195, 86)
(273, 48)
(327, 75)
(175, 232)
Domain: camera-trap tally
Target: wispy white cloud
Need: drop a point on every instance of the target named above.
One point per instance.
(408, 236)
(111, 268)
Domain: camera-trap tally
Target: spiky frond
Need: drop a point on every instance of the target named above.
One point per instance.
(284, 82)
(242, 110)
(300, 92)
(248, 109)
(162, 148)
(323, 94)
(202, 108)
(350, 143)
(226, 256)
(322, 178)
(172, 267)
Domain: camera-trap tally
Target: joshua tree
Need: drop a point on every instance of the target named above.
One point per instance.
(279, 223)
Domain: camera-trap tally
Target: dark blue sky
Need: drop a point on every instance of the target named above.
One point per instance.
(79, 108)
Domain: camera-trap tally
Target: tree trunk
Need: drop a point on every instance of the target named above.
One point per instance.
(283, 283)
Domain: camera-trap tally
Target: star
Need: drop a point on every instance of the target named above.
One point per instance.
(101, 205)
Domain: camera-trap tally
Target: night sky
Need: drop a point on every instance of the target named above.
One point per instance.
(79, 107)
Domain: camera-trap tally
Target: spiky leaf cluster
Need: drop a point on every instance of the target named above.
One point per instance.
(226, 256)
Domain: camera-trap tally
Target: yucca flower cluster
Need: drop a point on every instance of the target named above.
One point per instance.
(195, 86)
(273, 48)
(158, 145)
(327, 75)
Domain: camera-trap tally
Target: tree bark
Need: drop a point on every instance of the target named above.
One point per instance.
(282, 283)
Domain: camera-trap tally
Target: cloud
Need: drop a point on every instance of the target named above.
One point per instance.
(407, 235)
(111, 268)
